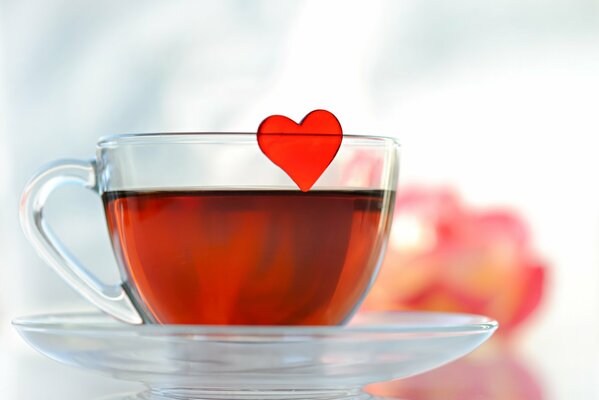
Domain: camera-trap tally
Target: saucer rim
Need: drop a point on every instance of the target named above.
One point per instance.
(42, 323)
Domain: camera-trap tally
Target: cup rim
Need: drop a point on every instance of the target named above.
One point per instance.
(110, 141)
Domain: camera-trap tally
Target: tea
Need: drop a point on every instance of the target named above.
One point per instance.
(247, 257)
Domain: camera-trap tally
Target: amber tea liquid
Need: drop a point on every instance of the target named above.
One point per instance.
(247, 257)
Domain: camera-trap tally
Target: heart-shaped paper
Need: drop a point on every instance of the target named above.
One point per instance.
(304, 150)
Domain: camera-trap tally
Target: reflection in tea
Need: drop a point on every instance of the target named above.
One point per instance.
(248, 257)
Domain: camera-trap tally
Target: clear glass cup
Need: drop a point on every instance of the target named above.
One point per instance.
(207, 230)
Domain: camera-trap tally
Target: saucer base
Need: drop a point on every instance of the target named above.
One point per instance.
(194, 394)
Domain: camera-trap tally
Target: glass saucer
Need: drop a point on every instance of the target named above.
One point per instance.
(241, 362)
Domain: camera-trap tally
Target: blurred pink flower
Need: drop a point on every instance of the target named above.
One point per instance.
(445, 256)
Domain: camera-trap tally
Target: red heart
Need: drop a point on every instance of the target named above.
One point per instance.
(304, 150)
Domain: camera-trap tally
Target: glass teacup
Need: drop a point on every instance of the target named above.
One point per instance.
(206, 230)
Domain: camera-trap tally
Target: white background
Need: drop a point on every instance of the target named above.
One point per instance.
(499, 100)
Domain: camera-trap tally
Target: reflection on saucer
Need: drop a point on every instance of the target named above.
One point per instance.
(493, 373)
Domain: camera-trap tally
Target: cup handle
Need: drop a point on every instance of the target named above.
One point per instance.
(111, 299)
